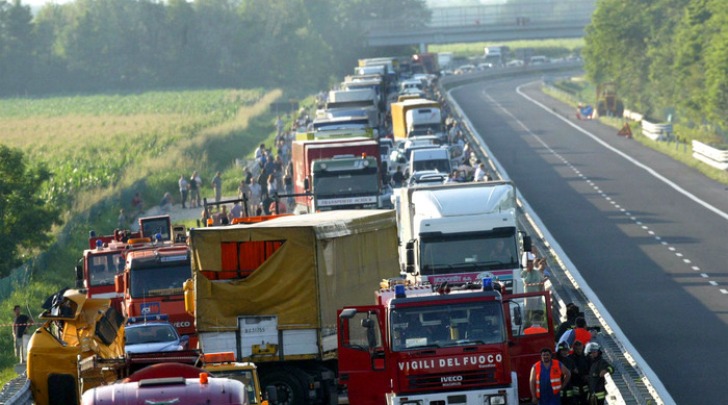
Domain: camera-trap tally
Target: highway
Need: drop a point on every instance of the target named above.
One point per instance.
(646, 233)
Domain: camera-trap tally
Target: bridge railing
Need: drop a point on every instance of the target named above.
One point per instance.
(535, 12)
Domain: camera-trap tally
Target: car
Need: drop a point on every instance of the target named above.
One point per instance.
(464, 69)
(145, 335)
(485, 66)
(515, 63)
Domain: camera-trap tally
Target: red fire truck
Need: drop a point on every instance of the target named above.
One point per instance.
(421, 345)
(152, 283)
(103, 260)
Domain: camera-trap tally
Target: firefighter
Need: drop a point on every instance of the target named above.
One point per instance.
(597, 370)
(580, 375)
(562, 355)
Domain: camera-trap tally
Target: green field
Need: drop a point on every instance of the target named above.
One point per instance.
(103, 148)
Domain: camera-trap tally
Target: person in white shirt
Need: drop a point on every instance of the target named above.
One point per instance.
(480, 173)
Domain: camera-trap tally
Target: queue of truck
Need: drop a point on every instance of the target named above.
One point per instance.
(352, 302)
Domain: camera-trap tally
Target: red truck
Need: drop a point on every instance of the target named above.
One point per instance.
(103, 260)
(428, 345)
(152, 284)
(336, 174)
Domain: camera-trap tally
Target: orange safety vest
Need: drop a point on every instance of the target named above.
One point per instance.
(554, 376)
(582, 335)
(533, 330)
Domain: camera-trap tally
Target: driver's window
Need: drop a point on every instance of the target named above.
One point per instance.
(529, 316)
(364, 331)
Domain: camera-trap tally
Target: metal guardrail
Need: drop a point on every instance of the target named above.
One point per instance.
(16, 392)
(628, 385)
(657, 132)
(710, 155)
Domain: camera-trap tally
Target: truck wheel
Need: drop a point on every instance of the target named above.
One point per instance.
(289, 388)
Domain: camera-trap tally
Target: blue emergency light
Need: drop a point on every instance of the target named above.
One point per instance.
(399, 291)
(487, 284)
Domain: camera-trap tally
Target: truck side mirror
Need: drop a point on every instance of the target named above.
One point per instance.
(410, 256)
(79, 275)
(527, 243)
(306, 185)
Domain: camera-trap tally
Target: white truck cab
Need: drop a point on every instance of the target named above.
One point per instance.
(430, 159)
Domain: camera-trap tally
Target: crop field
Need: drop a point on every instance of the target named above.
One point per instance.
(102, 149)
(92, 142)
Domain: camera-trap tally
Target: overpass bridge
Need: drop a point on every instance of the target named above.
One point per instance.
(511, 20)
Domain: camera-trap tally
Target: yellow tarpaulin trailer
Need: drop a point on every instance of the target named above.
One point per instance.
(270, 291)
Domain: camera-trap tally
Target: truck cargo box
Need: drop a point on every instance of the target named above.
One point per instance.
(271, 290)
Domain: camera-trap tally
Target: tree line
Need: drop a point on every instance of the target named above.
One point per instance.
(666, 57)
(102, 45)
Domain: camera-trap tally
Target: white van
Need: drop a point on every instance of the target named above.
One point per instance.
(430, 159)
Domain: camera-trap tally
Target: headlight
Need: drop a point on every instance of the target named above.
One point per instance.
(411, 403)
(497, 400)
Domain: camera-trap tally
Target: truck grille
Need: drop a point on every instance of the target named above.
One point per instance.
(460, 379)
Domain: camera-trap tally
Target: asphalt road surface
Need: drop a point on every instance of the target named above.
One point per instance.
(648, 234)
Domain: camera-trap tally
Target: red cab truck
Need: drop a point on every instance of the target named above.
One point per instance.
(336, 174)
(152, 284)
(103, 260)
(419, 345)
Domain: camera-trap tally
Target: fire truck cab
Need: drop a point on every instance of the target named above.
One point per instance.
(426, 345)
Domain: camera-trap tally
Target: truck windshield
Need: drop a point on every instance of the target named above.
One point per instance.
(349, 183)
(467, 252)
(440, 165)
(103, 267)
(458, 324)
(425, 129)
(242, 375)
(159, 281)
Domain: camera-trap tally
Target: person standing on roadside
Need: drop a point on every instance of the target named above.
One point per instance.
(184, 189)
(547, 377)
(194, 187)
(567, 392)
(122, 220)
(255, 194)
(580, 376)
(217, 186)
(20, 337)
(597, 371)
(533, 278)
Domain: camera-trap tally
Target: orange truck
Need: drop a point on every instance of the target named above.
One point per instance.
(400, 126)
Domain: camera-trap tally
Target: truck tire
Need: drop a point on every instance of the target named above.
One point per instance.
(290, 389)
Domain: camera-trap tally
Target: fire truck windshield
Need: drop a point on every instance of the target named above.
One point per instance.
(467, 252)
(103, 267)
(159, 281)
(454, 324)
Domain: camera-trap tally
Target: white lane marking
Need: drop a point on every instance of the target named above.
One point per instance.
(648, 169)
